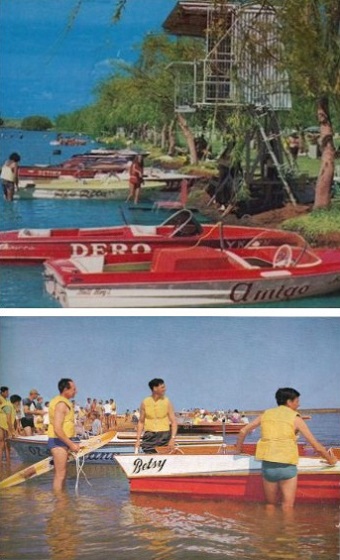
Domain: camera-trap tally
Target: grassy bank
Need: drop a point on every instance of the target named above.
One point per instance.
(321, 227)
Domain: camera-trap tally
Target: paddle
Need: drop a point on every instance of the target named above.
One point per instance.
(47, 464)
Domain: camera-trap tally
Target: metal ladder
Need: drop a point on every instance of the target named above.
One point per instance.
(281, 168)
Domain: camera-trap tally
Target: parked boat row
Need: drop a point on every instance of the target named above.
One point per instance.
(81, 166)
(180, 263)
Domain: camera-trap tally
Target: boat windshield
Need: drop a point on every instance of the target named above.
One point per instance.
(301, 253)
(275, 238)
(184, 222)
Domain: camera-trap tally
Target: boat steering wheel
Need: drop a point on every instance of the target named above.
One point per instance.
(283, 257)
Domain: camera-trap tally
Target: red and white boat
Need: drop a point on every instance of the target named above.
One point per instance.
(209, 427)
(275, 266)
(225, 476)
(36, 245)
(80, 166)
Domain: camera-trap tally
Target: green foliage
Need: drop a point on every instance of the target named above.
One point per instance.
(319, 222)
(36, 122)
(310, 31)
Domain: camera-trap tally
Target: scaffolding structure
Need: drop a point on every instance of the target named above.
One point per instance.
(239, 64)
(238, 70)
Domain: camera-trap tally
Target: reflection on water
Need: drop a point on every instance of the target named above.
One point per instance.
(62, 528)
(234, 530)
(105, 522)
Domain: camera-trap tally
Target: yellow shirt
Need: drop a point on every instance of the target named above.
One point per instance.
(68, 424)
(4, 410)
(156, 414)
(278, 438)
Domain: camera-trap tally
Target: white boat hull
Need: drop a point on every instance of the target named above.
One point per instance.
(146, 466)
(280, 287)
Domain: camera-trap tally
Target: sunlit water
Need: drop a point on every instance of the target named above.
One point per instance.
(104, 521)
(23, 286)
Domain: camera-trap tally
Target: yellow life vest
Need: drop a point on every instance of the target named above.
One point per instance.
(278, 439)
(3, 415)
(156, 414)
(68, 424)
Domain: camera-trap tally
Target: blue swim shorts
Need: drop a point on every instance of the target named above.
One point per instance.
(274, 472)
(56, 442)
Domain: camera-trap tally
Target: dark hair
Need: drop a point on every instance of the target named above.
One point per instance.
(15, 157)
(64, 384)
(155, 383)
(14, 398)
(286, 394)
(3, 389)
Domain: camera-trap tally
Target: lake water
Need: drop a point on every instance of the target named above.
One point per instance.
(104, 521)
(22, 287)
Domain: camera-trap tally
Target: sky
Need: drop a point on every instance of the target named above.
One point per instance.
(49, 67)
(209, 362)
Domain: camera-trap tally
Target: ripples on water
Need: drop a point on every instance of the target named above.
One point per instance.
(105, 522)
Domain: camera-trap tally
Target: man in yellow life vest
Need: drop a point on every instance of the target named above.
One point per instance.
(277, 448)
(6, 424)
(61, 429)
(157, 420)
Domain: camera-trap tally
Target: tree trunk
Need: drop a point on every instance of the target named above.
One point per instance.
(188, 135)
(326, 173)
(172, 139)
(163, 137)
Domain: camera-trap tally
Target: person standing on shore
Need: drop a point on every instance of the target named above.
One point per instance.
(10, 176)
(136, 171)
(30, 412)
(157, 420)
(277, 448)
(61, 429)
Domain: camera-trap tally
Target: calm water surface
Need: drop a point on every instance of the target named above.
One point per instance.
(105, 522)
(22, 287)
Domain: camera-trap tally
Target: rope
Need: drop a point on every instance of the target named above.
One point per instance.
(80, 462)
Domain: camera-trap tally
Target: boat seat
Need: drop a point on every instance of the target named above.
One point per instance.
(189, 259)
(139, 231)
(34, 233)
(258, 263)
(238, 261)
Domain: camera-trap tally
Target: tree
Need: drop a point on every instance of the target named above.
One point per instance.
(310, 32)
(36, 122)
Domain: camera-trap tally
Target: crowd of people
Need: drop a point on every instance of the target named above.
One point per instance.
(202, 416)
(29, 416)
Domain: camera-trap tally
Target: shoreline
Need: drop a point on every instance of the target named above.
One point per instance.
(302, 411)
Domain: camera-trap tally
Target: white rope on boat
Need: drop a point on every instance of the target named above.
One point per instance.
(80, 462)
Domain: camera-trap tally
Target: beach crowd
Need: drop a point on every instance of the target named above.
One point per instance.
(29, 416)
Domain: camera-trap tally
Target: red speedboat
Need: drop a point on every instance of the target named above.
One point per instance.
(36, 245)
(274, 267)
